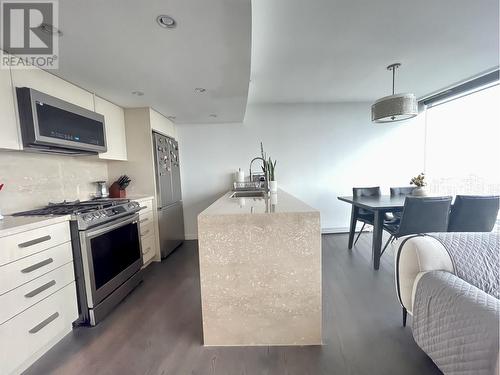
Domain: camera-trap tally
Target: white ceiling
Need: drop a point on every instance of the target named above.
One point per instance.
(301, 51)
(337, 50)
(113, 47)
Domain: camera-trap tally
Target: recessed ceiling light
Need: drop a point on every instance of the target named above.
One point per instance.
(213, 115)
(166, 21)
(137, 93)
(200, 90)
(47, 28)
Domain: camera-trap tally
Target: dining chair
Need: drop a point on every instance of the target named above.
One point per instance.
(420, 215)
(474, 213)
(399, 191)
(365, 216)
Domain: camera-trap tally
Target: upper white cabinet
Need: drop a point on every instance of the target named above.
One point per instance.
(114, 120)
(50, 84)
(9, 131)
(47, 83)
(161, 124)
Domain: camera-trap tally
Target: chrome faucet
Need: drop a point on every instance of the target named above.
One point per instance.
(265, 174)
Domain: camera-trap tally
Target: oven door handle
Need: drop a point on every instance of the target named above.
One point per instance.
(111, 226)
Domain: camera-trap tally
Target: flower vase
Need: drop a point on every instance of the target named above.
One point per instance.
(419, 192)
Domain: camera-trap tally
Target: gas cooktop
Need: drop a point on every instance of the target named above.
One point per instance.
(87, 213)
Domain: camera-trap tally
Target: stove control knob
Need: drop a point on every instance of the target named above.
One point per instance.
(87, 217)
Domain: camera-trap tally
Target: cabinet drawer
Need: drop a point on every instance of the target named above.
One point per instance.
(147, 228)
(28, 335)
(146, 206)
(146, 217)
(148, 248)
(33, 241)
(26, 269)
(27, 295)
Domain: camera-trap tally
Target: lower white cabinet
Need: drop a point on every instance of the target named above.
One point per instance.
(24, 338)
(38, 302)
(148, 222)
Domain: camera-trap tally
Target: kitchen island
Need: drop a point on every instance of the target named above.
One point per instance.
(260, 271)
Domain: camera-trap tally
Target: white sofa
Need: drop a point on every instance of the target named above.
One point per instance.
(420, 255)
(454, 322)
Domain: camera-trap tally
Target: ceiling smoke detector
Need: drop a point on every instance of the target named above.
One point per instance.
(213, 115)
(137, 93)
(166, 21)
(200, 90)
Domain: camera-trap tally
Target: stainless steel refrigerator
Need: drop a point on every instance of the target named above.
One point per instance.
(168, 192)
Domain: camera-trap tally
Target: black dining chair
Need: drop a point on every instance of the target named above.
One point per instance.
(474, 213)
(400, 191)
(360, 214)
(420, 215)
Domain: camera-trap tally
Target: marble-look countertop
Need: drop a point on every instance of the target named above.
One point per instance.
(280, 202)
(139, 197)
(10, 225)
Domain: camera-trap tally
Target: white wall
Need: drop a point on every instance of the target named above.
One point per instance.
(323, 150)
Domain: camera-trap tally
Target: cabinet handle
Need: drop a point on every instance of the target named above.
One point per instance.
(37, 265)
(143, 220)
(42, 324)
(34, 242)
(40, 289)
(146, 232)
(143, 207)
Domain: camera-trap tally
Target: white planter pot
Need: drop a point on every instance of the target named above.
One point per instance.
(273, 186)
(419, 192)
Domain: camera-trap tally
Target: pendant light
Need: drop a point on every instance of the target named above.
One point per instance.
(395, 107)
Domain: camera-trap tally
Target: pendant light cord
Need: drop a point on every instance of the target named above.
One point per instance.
(393, 78)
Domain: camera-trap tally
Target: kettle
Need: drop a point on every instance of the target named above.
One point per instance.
(102, 189)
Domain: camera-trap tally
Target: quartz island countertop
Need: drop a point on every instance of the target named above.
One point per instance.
(280, 202)
(260, 271)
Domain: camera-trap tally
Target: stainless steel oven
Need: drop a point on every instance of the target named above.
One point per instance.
(111, 259)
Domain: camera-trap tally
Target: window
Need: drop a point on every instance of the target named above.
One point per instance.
(462, 153)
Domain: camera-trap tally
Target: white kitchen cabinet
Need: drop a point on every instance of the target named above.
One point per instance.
(10, 137)
(114, 120)
(47, 83)
(148, 222)
(37, 293)
(161, 124)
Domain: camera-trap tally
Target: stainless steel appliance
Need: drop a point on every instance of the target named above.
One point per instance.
(102, 189)
(52, 125)
(106, 252)
(168, 192)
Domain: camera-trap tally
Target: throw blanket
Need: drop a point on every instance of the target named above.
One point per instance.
(475, 258)
(456, 324)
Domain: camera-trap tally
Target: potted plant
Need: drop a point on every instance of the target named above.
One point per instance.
(273, 184)
(268, 168)
(419, 182)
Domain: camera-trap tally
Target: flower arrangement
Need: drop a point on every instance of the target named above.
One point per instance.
(419, 181)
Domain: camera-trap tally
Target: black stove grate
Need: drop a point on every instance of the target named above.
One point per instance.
(72, 207)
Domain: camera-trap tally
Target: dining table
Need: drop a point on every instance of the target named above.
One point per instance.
(379, 205)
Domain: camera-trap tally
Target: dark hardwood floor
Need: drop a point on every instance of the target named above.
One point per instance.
(157, 328)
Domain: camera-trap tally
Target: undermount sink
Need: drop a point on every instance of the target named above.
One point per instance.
(248, 194)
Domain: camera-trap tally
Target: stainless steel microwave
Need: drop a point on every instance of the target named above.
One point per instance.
(49, 124)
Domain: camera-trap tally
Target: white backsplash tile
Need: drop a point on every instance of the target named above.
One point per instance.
(32, 180)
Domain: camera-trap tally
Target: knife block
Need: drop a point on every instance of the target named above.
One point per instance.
(116, 192)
